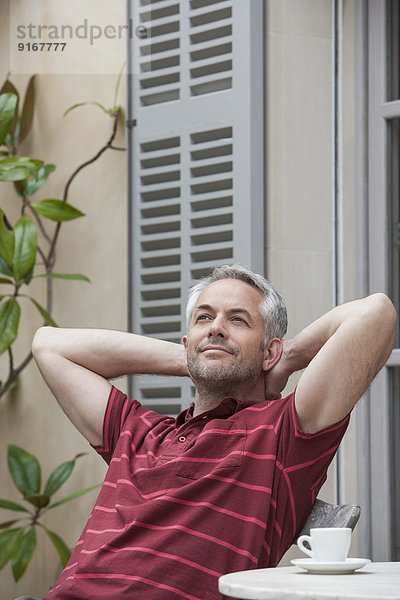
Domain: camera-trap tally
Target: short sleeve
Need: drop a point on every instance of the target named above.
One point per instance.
(119, 406)
(302, 460)
(308, 455)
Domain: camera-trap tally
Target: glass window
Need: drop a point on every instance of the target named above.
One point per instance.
(395, 459)
(394, 214)
(393, 173)
(393, 49)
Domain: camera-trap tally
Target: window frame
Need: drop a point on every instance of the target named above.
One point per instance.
(374, 113)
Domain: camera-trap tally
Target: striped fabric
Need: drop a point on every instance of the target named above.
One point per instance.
(187, 500)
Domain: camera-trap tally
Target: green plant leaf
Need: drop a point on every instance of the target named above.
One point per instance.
(25, 470)
(8, 103)
(8, 173)
(27, 109)
(73, 496)
(19, 187)
(25, 247)
(4, 280)
(5, 87)
(6, 240)
(15, 174)
(33, 185)
(8, 540)
(38, 500)
(103, 108)
(8, 524)
(9, 88)
(56, 210)
(60, 475)
(19, 168)
(32, 165)
(61, 547)
(10, 312)
(14, 161)
(23, 553)
(70, 276)
(12, 505)
(4, 268)
(43, 312)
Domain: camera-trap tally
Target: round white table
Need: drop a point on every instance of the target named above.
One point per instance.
(375, 581)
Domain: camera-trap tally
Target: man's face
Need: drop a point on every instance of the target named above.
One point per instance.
(225, 341)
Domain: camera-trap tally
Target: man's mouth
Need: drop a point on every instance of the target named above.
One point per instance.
(216, 348)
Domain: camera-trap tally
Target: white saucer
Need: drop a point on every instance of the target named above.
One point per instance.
(331, 568)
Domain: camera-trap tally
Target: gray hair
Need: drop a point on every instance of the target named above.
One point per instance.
(272, 307)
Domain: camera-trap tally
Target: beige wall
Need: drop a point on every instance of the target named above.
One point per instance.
(299, 244)
(95, 245)
(299, 174)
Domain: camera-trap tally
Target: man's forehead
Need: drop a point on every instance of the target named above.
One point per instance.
(231, 292)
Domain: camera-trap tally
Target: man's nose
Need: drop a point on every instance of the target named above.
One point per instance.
(217, 328)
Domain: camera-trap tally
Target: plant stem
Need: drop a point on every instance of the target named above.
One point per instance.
(42, 254)
(40, 224)
(13, 373)
(49, 260)
(75, 173)
(36, 516)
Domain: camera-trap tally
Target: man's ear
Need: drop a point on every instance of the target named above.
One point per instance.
(184, 340)
(272, 353)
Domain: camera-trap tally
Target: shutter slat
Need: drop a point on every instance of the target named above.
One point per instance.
(150, 305)
(151, 74)
(210, 48)
(168, 189)
(162, 43)
(213, 201)
(203, 34)
(208, 16)
(159, 170)
(167, 11)
(199, 4)
(216, 61)
(207, 167)
(162, 48)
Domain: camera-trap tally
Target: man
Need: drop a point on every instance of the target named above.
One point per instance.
(226, 485)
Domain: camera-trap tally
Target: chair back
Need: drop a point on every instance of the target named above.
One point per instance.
(324, 514)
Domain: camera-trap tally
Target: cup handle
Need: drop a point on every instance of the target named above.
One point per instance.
(303, 548)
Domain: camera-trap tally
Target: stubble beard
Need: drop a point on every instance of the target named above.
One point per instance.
(217, 377)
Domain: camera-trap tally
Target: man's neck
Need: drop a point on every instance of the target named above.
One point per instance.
(204, 402)
(208, 397)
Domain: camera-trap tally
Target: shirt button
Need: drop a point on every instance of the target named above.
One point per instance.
(182, 439)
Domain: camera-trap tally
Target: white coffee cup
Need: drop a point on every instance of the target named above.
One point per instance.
(328, 544)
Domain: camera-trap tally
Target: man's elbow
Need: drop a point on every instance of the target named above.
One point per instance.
(42, 342)
(384, 314)
(384, 309)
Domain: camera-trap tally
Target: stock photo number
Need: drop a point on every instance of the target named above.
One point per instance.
(42, 46)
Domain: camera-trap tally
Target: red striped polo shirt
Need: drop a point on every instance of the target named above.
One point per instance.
(189, 499)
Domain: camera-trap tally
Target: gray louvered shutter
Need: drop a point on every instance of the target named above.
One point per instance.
(197, 161)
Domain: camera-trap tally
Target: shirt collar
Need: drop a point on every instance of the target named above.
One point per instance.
(226, 408)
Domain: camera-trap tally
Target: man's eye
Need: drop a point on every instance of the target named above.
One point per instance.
(238, 319)
(202, 317)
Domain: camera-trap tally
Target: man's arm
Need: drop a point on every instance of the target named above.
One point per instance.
(77, 363)
(341, 352)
